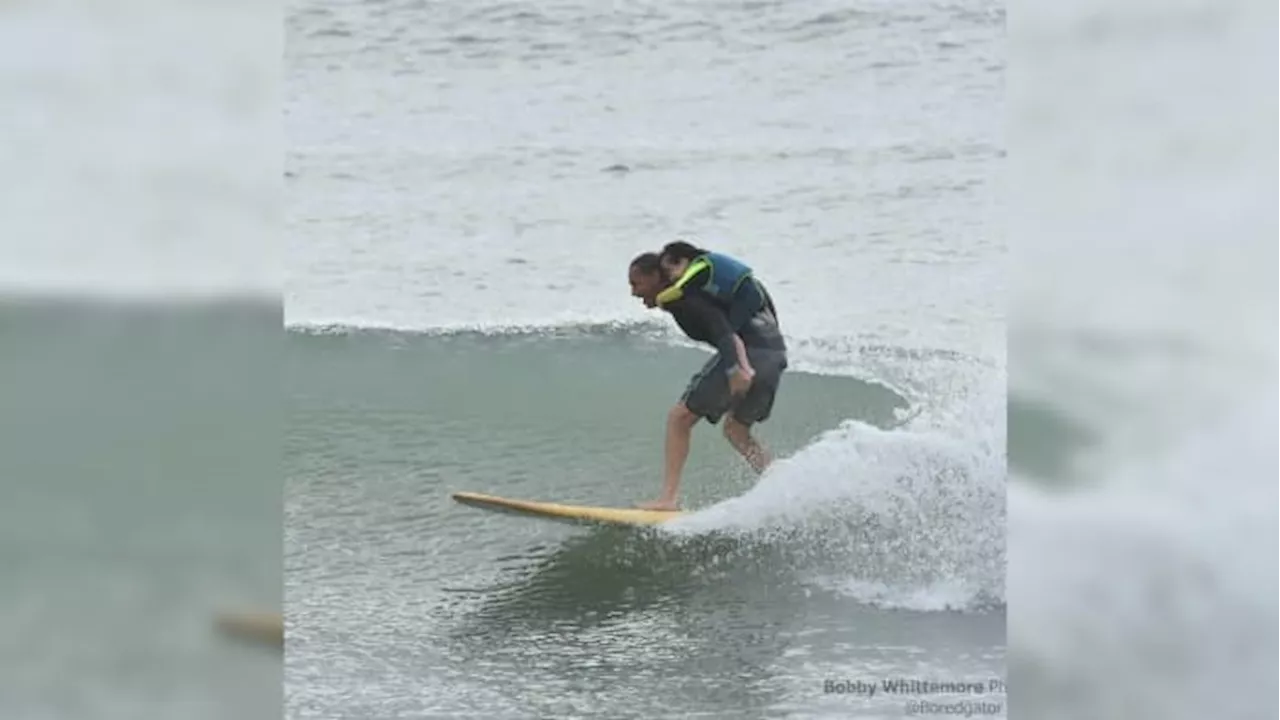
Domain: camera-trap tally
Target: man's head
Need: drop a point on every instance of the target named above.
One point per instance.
(646, 278)
(676, 256)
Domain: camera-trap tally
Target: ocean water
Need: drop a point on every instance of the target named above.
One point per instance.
(139, 477)
(140, 473)
(864, 555)
(1142, 570)
(464, 196)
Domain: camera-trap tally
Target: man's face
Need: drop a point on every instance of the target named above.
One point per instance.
(645, 286)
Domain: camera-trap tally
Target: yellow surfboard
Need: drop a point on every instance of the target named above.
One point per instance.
(260, 627)
(577, 514)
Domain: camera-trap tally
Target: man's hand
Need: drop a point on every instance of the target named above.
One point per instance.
(740, 380)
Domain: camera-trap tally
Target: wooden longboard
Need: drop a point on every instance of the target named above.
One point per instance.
(566, 513)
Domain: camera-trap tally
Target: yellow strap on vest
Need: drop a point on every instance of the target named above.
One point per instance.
(676, 291)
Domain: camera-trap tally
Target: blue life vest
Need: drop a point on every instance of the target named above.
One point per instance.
(725, 276)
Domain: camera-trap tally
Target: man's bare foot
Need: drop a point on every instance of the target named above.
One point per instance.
(658, 505)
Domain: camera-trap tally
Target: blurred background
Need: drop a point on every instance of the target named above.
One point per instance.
(1142, 205)
(140, 486)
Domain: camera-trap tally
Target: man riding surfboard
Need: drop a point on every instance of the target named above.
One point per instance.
(739, 382)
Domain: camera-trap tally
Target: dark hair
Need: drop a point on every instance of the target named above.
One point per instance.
(647, 263)
(681, 250)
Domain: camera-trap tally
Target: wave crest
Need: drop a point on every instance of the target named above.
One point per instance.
(892, 518)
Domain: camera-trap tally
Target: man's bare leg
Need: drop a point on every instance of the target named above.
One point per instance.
(739, 435)
(680, 424)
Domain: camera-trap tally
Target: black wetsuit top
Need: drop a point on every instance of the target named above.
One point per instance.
(705, 321)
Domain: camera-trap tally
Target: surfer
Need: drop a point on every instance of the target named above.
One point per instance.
(739, 382)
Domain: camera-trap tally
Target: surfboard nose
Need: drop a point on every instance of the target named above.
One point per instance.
(264, 628)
